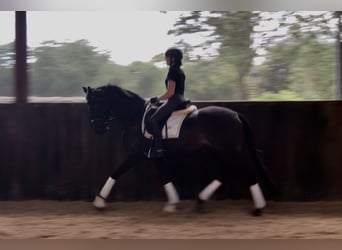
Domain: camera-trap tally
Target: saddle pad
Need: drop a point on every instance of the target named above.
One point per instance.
(173, 125)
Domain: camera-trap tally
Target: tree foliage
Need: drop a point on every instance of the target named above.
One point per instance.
(298, 50)
(6, 69)
(232, 32)
(61, 67)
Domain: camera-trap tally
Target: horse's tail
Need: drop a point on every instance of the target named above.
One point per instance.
(262, 173)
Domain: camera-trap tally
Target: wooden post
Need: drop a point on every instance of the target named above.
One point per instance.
(21, 89)
(338, 86)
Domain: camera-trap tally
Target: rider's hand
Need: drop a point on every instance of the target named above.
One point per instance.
(154, 100)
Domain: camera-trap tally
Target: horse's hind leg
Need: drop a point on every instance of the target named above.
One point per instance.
(215, 160)
(206, 193)
(221, 161)
(256, 193)
(258, 199)
(209, 190)
(173, 198)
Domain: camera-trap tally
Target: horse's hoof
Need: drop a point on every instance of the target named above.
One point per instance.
(200, 206)
(170, 208)
(99, 203)
(256, 212)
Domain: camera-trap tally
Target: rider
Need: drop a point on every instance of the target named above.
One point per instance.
(173, 97)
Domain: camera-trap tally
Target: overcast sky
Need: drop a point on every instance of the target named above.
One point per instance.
(128, 35)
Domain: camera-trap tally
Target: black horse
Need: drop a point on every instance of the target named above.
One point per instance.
(220, 130)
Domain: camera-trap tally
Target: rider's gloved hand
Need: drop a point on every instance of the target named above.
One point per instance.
(154, 100)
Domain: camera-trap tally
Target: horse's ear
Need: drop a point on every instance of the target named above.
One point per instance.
(87, 90)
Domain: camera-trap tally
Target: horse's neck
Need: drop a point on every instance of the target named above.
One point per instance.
(131, 109)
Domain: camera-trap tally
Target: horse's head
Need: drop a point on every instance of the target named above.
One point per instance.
(112, 102)
(99, 108)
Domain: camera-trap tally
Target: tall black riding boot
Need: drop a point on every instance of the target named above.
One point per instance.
(156, 151)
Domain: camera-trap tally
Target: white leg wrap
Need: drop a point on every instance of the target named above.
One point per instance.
(258, 197)
(99, 202)
(107, 188)
(171, 193)
(208, 191)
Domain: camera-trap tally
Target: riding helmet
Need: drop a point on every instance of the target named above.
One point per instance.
(175, 53)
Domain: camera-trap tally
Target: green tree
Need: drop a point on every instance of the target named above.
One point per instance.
(277, 68)
(312, 71)
(301, 59)
(231, 33)
(145, 79)
(61, 68)
(209, 80)
(7, 69)
(282, 95)
(338, 36)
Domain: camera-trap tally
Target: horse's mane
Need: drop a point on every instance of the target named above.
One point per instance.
(130, 105)
(124, 92)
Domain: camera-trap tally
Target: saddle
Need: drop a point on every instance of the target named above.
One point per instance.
(170, 125)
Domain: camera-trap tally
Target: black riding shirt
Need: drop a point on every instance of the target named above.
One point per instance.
(177, 75)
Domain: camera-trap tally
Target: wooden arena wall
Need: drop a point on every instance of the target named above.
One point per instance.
(50, 151)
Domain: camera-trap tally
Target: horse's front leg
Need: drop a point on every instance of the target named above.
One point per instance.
(164, 170)
(100, 199)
